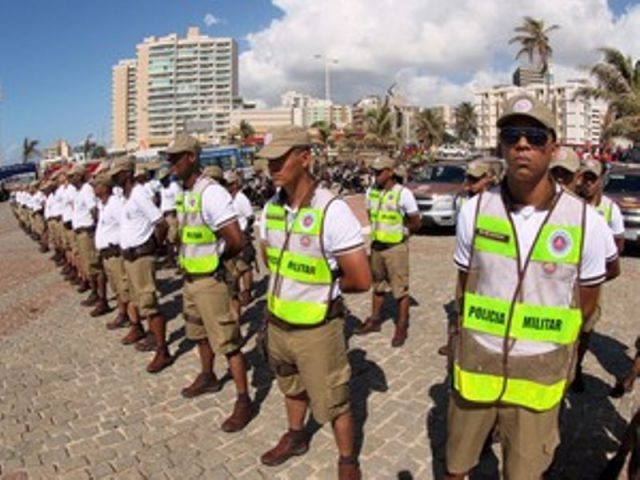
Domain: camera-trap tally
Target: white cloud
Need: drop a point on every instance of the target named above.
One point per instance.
(210, 19)
(437, 52)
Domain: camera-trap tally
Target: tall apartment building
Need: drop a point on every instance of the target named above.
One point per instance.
(578, 120)
(123, 104)
(181, 84)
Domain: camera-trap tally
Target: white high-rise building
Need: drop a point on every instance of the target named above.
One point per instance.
(578, 120)
(182, 84)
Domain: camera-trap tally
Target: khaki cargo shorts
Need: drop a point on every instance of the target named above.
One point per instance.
(141, 278)
(528, 438)
(323, 371)
(205, 304)
(38, 224)
(390, 270)
(117, 277)
(70, 241)
(172, 223)
(87, 254)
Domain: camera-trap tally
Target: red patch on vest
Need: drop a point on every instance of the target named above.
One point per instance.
(305, 241)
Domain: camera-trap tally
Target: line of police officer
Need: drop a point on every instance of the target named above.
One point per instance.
(531, 258)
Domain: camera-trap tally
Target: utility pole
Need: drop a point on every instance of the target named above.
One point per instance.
(327, 83)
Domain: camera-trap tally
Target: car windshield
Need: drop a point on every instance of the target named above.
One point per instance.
(441, 174)
(623, 183)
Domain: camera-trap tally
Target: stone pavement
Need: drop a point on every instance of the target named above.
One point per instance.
(76, 404)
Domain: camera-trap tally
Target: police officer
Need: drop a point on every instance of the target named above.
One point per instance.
(245, 261)
(531, 260)
(169, 192)
(589, 186)
(312, 244)
(564, 168)
(84, 226)
(141, 229)
(210, 234)
(393, 214)
(110, 207)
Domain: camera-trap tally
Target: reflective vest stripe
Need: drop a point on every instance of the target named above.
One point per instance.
(485, 388)
(197, 235)
(558, 244)
(494, 235)
(530, 322)
(301, 268)
(605, 208)
(297, 312)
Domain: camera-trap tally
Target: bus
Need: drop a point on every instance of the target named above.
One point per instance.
(231, 157)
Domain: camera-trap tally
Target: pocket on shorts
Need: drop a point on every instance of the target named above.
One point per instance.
(338, 389)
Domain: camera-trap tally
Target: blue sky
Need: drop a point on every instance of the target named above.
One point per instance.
(56, 55)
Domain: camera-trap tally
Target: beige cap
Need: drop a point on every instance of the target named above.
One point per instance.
(104, 166)
(55, 175)
(183, 143)
(478, 168)
(78, 169)
(281, 140)
(102, 178)
(140, 170)
(122, 164)
(382, 162)
(213, 171)
(592, 165)
(566, 158)
(524, 105)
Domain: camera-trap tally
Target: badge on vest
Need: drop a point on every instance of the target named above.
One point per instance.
(498, 237)
(308, 221)
(560, 243)
(191, 202)
(305, 241)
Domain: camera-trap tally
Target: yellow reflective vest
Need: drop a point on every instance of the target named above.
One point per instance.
(385, 216)
(198, 243)
(301, 281)
(533, 299)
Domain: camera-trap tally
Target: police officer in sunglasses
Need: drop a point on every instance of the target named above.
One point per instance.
(530, 259)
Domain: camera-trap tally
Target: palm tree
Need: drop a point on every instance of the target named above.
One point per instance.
(466, 122)
(88, 147)
(618, 83)
(379, 125)
(29, 149)
(246, 130)
(430, 128)
(533, 37)
(534, 42)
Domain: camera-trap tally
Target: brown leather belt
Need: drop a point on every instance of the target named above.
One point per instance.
(85, 230)
(171, 213)
(381, 247)
(57, 218)
(336, 310)
(219, 275)
(67, 225)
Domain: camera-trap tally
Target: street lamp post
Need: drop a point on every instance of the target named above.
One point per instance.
(327, 63)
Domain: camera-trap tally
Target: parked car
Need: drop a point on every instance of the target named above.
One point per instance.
(435, 188)
(623, 187)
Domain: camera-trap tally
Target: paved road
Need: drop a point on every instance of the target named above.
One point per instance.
(76, 404)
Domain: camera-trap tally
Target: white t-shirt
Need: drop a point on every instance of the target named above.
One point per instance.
(48, 206)
(38, 200)
(617, 222)
(109, 220)
(527, 222)
(342, 232)
(69, 197)
(153, 186)
(57, 205)
(217, 210)
(168, 197)
(139, 219)
(243, 208)
(84, 202)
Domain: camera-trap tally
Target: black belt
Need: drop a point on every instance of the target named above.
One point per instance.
(67, 225)
(380, 247)
(170, 212)
(134, 253)
(110, 252)
(85, 230)
(57, 218)
(336, 310)
(218, 274)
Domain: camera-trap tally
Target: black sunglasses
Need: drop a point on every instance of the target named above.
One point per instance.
(536, 137)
